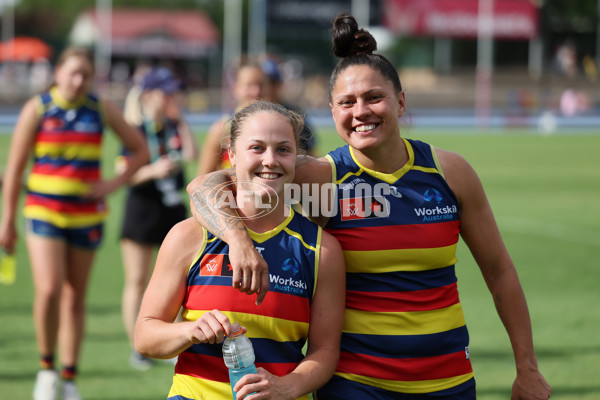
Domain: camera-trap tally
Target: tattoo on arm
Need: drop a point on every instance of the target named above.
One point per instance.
(217, 221)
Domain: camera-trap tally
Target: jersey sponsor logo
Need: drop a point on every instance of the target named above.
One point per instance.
(433, 211)
(364, 207)
(52, 124)
(291, 264)
(289, 285)
(351, 184)
(215, 265)
(432, 194)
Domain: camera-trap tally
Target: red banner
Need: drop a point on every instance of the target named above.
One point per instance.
(513, 19)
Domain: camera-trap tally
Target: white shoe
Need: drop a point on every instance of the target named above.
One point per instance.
(139, 362)
(69, 391)
(46, 385)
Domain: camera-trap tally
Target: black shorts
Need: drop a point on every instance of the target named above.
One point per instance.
(147, 220)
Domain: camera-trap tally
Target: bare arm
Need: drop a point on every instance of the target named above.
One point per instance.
(189, 148)
(156, 333)
(224, 222)
(326, 320)
(21, 145)
(133, 140)
(210, 157)
(481, 234)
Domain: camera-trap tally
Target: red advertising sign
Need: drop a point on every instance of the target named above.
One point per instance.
(513, 19)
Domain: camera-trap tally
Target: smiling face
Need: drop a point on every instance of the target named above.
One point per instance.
(74, 77)
(366, 107)
(264, 154)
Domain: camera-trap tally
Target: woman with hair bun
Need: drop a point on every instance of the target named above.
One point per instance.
(401, 206)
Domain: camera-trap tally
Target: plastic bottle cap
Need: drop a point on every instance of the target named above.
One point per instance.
(236, 330)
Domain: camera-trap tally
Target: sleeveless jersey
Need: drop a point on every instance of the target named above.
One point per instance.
(66, 161)
(404, 328)
(278, 328)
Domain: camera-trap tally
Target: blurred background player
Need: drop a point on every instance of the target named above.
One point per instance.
(64, 208)
(154, 203)
(250, 84)
(274, 94)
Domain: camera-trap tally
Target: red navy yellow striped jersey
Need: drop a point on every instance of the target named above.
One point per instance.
(66, 161)
(278, 328)
(404, 328)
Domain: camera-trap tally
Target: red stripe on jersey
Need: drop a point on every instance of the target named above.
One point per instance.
(214, 369)
(405, 369)
(392, 237)
(226, 298)
(63, 206)
(416, 300)
(69, 137)
(202, 366)
(67, 171)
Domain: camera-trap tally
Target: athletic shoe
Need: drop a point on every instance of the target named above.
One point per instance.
(140, 362)
(46, 385)
(172, 361)
(69, 391)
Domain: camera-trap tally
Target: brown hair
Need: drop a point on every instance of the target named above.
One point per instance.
(239, 119)
(355, 47)
(76, 52)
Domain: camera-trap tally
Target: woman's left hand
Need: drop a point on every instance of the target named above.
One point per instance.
(101, 189)
(262, 385)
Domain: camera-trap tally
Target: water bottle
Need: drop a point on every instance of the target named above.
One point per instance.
(238, 355)
(7, 267)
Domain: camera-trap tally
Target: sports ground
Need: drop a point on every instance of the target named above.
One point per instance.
(545, 193)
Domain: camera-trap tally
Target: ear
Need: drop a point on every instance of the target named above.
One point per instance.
(401, 104)
(231, 154)
(332, 113)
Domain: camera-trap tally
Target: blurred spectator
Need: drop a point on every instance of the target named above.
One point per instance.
(589, 67)
(250, 85)
(274, 94)
(566, 59)
(573, 102)
(154, 202)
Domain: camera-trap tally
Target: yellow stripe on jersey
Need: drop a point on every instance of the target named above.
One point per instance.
(393, 177)
(57, 185)
(299, 237)
(404, 323)
(425, 169)
(63, 220)
(204, 389)
(199, 389)
(437, 161)
(317, 257)
(264, 236)
(69, 151)
(333, 168)
(260, 326)
(343, 178)
(205, 240)
(399, 260)
(410, 386)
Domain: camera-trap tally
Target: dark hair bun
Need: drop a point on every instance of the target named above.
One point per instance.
(348, 40)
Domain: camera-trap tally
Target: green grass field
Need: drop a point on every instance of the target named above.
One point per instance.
(545, 192)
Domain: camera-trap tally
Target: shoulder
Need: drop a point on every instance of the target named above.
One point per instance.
(183, 241)
(459, 174)
(312, 170)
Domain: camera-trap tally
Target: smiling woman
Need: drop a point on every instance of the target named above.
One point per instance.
(404, 328)
(306, 276)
